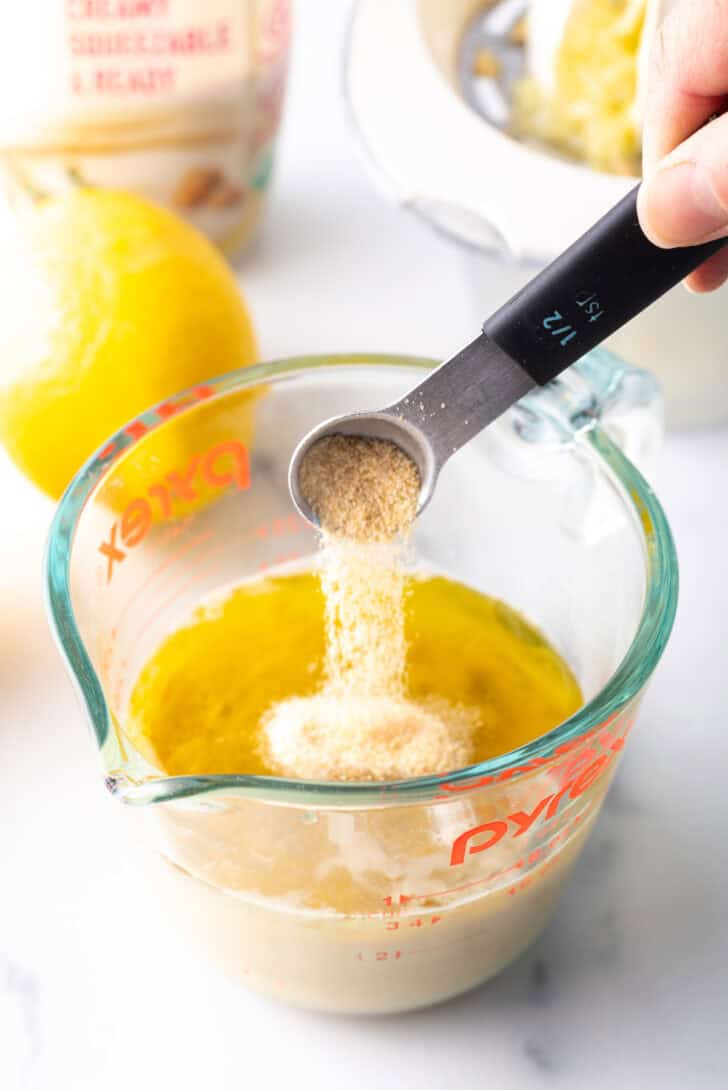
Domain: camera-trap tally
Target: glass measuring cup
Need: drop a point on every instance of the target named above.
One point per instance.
(370, 897)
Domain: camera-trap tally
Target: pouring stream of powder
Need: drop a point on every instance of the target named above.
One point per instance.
(361, 726)
(366, 650)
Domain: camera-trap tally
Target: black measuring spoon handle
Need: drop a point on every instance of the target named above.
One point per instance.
(609, 275)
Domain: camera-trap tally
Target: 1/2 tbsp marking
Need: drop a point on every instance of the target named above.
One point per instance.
(557, 325)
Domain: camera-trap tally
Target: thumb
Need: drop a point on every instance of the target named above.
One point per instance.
(684, 198)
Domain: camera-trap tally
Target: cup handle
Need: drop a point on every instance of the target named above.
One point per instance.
(630, 407)
(626, 401)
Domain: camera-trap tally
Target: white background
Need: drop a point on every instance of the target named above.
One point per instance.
(628, 987)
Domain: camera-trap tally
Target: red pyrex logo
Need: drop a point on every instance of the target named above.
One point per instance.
(578, 780)
(223, 464)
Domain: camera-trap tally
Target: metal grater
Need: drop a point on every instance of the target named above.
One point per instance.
(491, 30)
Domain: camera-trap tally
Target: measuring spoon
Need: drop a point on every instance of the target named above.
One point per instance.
(609, 275)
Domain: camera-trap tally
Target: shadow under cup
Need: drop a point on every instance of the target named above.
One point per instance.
(370, 897)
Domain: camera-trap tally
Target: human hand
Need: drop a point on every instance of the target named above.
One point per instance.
(684, 197)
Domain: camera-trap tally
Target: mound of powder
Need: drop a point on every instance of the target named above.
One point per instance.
(330, 737)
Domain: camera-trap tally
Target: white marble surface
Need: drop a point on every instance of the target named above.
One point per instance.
(627, 989)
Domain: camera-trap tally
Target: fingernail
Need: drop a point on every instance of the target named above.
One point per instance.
(680, 205)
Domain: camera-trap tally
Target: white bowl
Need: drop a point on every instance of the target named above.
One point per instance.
(512, 207)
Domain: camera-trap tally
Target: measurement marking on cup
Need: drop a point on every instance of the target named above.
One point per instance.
(278, 559)
(419, 921)
(433, 947)
(180, 588)
(405, 897)
(379, 955)
(278, 527)
(290, 524)
(172, 533)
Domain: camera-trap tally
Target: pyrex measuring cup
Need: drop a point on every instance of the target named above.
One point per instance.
(370, 897)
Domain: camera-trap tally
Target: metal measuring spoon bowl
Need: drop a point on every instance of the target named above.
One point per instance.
(433, 420)
(386, 425)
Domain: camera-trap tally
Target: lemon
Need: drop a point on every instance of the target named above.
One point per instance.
(110, 305)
